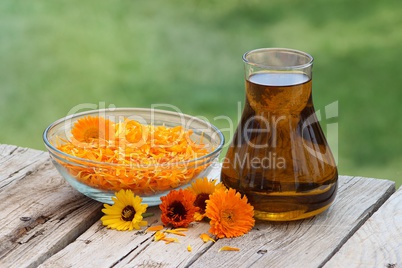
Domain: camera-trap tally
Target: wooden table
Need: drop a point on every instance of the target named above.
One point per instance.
(45, 222)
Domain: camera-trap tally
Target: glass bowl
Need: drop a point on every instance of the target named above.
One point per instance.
(150, 177)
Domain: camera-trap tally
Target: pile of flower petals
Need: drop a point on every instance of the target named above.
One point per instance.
(128, 155)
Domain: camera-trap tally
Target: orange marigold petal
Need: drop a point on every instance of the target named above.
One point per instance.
(175, 232)
(169, 240)
(154, 228)
(205, 237)
(180, 229)
(198, 216)
(228, 248)
(159, 236)
(131, 145)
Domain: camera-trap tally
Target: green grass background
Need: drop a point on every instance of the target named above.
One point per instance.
(55, 55)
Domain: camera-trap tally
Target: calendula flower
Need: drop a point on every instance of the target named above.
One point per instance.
(89, 128)
(202, 188)
(125, 213)
(230, 214)
(178, 208)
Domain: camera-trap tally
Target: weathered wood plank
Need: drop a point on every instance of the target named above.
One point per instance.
(40, 212)
(110, 248)
(102, 247)
(378, 243)
(17, 162)
(160, 254)
(132, 249)
(45, 221)
(306, 243)
(279, 244)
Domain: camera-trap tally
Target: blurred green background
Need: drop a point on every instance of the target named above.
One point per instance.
(57, 56)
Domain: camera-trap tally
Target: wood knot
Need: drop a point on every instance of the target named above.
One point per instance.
(392, 265)
(25, 218)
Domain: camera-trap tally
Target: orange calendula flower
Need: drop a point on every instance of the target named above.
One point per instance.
(202, 188)
(230, 214)
(89, 128)
(178, 208)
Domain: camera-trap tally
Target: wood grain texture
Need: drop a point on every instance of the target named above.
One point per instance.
(45, 222)
(378, 243)
(276, 244)
(109, 248)
(305, 243)
(17, 162)
(101, 247)
(40, 212)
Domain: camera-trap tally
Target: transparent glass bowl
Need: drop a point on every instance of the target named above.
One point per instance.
(77, 170)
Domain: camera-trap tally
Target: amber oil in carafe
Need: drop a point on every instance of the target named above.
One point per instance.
(279, 157)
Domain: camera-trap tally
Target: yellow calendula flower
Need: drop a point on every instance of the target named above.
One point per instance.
(125, 213)
(202, 188)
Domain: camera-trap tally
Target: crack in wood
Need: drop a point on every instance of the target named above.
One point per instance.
(71, 207)
(21, 232)
(33, 167)
(33, 236)
(392, 265)
(364, 216)
(148, 241)
(150, 264)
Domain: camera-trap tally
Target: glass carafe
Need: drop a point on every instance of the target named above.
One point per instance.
(279, 157)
